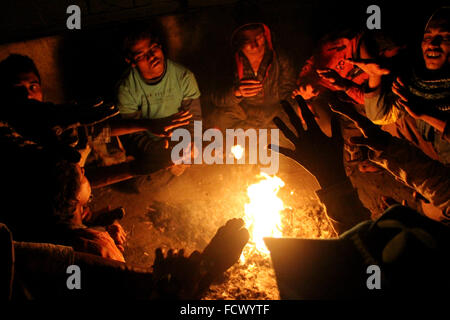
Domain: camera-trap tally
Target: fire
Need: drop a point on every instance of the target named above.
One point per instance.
(301, 215)
(237, 151)
(263, 212)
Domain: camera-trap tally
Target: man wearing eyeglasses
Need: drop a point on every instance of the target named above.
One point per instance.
(154, 87)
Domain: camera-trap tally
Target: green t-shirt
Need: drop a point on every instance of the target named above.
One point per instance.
(158, 100)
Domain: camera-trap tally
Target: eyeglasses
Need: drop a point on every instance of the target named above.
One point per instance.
(149, 53)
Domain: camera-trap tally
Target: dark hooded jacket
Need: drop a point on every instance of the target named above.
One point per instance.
(277, 76)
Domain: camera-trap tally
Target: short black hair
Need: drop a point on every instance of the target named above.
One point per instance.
(13, 66)
(134, 34)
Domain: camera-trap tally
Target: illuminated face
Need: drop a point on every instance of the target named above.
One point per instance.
(254, 43)
(436, 48)
(148, 58)
(385, 53)
(30, 84)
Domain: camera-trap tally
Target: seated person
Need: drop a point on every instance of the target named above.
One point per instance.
(313, 150)
(21, 86)
(54, 214)
(408, 164)
(157, 88)
(55, 195)
(330, 69)
(330, 75)
(40, 270)
(415, 105)
(70, 196)
(262, 77)
(46, 123)
(327, 74)
(322, 157)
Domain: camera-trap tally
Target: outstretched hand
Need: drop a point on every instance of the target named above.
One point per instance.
(334, 79)
(307, 91)
(316, 152)
(373, 137)
(373, 69)
(405, 100)
(164, 127)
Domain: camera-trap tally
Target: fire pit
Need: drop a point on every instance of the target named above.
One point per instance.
(266, 215)
(185, 212)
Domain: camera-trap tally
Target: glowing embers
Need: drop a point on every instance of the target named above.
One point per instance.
(263, 212)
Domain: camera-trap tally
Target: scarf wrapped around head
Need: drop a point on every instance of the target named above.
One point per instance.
(236, 45)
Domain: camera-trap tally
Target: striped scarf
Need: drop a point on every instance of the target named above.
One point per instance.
(435, 91)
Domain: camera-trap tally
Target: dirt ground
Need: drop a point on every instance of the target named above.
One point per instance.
(185, 212)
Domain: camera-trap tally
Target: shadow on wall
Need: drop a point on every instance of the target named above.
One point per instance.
(91, 63)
